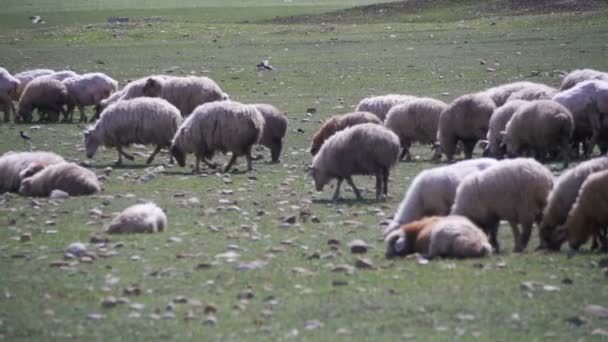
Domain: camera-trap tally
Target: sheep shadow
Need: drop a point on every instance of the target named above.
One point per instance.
(123, 166)
(348, 201)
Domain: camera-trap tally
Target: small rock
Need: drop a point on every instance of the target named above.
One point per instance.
(358, 246)
(343, 269)
(210, 308)
(597, 311)
(95, 212)
(109, 302)
(248, 266)
(291, 219)
(465, 317)
(107, 171)
(550, 288)
(210, 320)
(599, 332)
(364, 263)
(312, 324)
(25, 237)
(76, 249)
(95, 317)
(58, 194)
(576, 320)
(174, 239)
(246, 294)
(99, 239)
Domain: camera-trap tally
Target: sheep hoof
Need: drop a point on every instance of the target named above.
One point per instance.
(118, 163)
(131, 158)
(381, 198)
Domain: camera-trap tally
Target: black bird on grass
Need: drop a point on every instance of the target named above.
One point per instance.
(264, 65)
(26, 139)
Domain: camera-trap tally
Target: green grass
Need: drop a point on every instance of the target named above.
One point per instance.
(329, 67)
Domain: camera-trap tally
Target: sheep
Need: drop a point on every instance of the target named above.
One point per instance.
(449, 236)
(8, 86)
(540, 125)
(13, 166)
(44, 94)
(539, 92)
(432, 192)
(26, 77)
(275, 127)
(589, 214)
(514, 190)
(365, 149)
(337, 123)
(139, 218)
(587, 101)
(103, 104)
(466, 119)
(498, 122)
(60, 75)
(137, 121)
(380, 105)
(501, 93)
(563, 196)
(415, 121)
(88, 90)
(67, 177)
(581, 75)
(225, 126)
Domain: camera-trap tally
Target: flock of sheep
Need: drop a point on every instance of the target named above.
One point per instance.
(451, 210)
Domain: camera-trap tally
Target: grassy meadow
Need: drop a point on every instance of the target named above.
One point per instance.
(229, 267)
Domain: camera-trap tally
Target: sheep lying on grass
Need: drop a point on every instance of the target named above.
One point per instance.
(137, 121)
(447, 236)
(17, 165)
(67, 177)
(365, 149)
(337, 123)
(275, 127)
(139, 218)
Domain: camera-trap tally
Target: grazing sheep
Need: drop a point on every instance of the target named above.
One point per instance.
(587, 101)
(466, 119)
(449, 236)
(137, 121)
(563, 196)
(60, 75)
(103, 104)
(380, 105)
(539, 92)
(224, 126)
(415, 121)
(275, 127)
(541, 126)
(88, 90)
(45, 94)
(501, 93)
(8, 86)
(432, 192)
(132, 90)
(365, 149)
(580, 75)
(67, 177)
(498, 123)
(13, 166)
(589, 214)
(139, 218)
(514, 190)
(340, 122)
(26, 77)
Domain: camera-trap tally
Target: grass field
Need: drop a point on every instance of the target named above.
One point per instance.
(177, 285)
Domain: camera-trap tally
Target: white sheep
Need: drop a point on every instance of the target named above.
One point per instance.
(415, 121)
(88, 90)
(380, 105)
(498, 123)
(60, 75)
(337, 123)
(139, 218)
(225, 126)
(137, 121)
(514, 190)
(581, 75)
(501, 93)
(275, 127)
(13, 165)
(26, 77)
(538, 92)
(45, 94)
(132, 90)
(432, 192)
(8, 86)
(466, 119)
(67, 177)
(365, 149)
(541, 126)
(448, 236)
(563, 196)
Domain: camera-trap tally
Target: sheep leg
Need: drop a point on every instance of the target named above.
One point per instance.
(121, 152)
(232, 160)
(337, 191)
(249, 159)
(154, 153)
(83, 116)
(275, 151)
(197, 165)
(468, 147)
(385, 175)
(119, 161)
(350, 182)
(492, 232)
(378, 185)
(526, 233)
(516, 237)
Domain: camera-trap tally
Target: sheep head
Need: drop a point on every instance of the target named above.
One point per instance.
(152, 88)
(552, 239)
(179, 155)
(91, 143)
(319, 177)
(395, 244)
(25, 187)
(31, 170)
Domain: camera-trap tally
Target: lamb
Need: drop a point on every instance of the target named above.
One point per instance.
(541, 126)
(415, 121)
(137, 121)
(225, 126)
(466, 119)
(498, 123)
(514, 190)
(589, 214)
(44, 94)
(501, 93)
(275, 127)
(432, 192)
(88, 90)
(340, 122)
(13, 166)
(587, 101)
(449, 236)
(139, 218)
(365, 149)
(539, 92)
(580, 75)
(26, 77)
(562, 198)
(380, 105)
(8, 86)
(67, 177)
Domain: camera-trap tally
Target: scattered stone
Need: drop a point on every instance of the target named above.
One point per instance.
(58, 194)
(95, 317)
(131, 291)
(253, 265)
(465, 317)
(597, 311)
(312, 324)
(246, 294)
(25, 237)
(174, 239)
(364, 263)
(75, 249)
(347, 269)
(576, 320)
(550, 288)
(290, 220)
(109, 302)
(210, 308)
(358, 246)
(599, 332)
(210, 320)
(99, 239)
